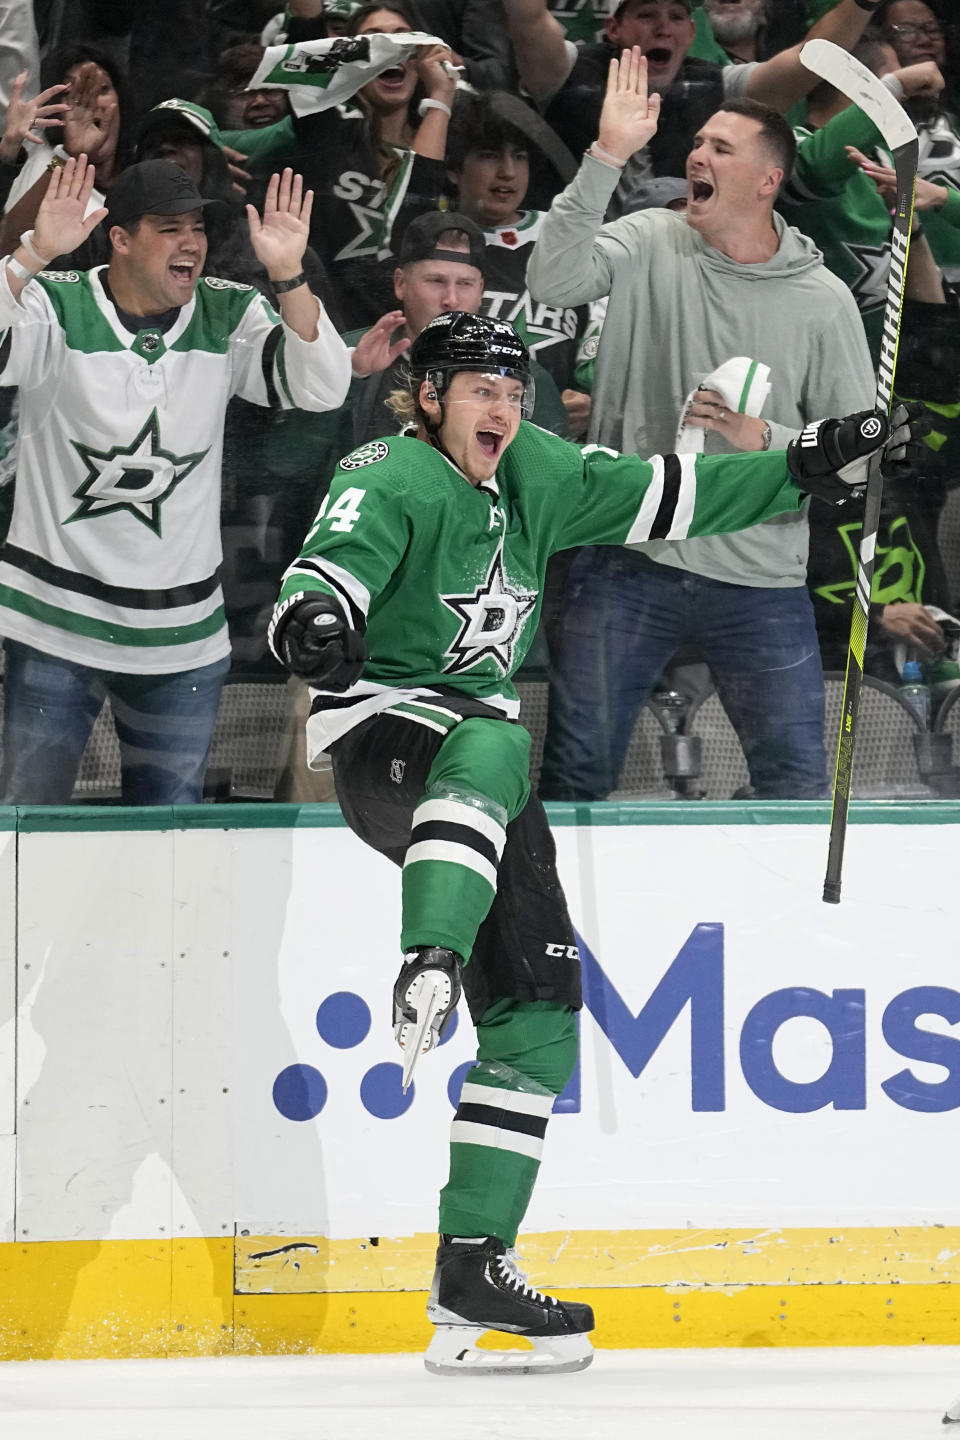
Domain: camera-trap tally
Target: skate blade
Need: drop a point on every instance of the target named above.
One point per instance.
(453, 1351)
(428, 1001)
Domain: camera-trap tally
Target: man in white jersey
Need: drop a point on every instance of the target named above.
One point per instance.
(109, 580)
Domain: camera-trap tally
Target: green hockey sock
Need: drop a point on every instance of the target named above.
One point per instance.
(497, 1134)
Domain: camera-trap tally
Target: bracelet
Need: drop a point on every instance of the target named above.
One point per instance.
(26, 240)
(280, 287)
(20, 271)
(604, 156)
(428, 104)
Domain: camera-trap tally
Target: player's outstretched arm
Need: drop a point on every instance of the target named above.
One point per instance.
(623, 500)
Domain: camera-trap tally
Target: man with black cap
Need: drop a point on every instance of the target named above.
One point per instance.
(109, 581)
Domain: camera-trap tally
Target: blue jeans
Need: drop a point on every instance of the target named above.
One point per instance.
(164, 725)
(624, 616)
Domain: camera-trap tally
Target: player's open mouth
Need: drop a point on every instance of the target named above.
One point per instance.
(700, 190)
(489, 442)
(182, 272)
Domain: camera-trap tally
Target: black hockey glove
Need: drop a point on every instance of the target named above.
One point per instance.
(312, 639)
(831, 458)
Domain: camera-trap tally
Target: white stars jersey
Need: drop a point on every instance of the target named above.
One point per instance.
(445, 577)
(113, 553)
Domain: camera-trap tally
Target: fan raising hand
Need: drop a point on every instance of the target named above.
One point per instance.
(629, 118)
(280, 238)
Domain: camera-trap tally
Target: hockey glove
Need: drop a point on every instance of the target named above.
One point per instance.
(831, 458)
(312, 639)
(904, 451)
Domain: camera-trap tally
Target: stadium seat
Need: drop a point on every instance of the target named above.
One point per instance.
(642, 777)
(885, 761)
(723, 763)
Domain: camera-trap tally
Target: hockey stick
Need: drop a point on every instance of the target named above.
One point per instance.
(846, 74)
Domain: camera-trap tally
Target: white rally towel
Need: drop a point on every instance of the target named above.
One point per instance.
(322, 73)
(744, 385)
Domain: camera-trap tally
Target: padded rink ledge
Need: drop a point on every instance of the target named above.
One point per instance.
(650, 1289)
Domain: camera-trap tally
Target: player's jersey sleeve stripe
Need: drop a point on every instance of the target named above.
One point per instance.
(686, 499)
(669, 495)
(174, 598)
(650, 505)
(354, 596)
(5, 348)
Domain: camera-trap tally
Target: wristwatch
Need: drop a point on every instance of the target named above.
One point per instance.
(766, 438)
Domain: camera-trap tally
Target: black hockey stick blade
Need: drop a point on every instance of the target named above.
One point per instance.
(845, 73)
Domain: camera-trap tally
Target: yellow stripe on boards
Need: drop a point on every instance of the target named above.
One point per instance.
(117, 1299)
(591, 1259)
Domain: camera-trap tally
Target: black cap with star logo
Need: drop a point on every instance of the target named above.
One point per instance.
(154, 187)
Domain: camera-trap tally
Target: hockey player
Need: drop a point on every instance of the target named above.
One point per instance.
(109, 580)
(411, 605)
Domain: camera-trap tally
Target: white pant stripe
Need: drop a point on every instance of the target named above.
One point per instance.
(465, 1132)
(452, 854)
(518, 1102)
(456, 813)
(418, 719)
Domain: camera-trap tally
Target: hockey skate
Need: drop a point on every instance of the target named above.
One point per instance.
(424, 998)
(952, 1416)
(477, 1287)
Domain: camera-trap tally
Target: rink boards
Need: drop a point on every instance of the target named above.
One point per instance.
(204, 1148)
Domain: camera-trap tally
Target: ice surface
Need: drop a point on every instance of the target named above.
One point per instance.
(860, 1394)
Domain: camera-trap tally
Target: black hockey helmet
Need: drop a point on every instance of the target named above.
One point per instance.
(459, 341)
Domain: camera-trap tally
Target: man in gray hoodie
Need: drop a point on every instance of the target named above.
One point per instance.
(697, 301)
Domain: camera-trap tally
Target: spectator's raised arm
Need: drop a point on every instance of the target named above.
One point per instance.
(540, 47)
(783, 79)
(568, 264)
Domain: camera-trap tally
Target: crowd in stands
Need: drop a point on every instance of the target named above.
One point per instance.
(710, 285)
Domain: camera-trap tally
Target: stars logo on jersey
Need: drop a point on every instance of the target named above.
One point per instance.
(491, 621)
(366, 455)
(869, 287)
(137, 477)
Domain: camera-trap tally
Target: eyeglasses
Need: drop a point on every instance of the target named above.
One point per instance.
(913, 32)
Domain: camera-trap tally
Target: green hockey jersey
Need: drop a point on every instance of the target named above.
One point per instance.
(113, 553)
(446, 577)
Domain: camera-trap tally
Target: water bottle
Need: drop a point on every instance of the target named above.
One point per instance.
(915, 691)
